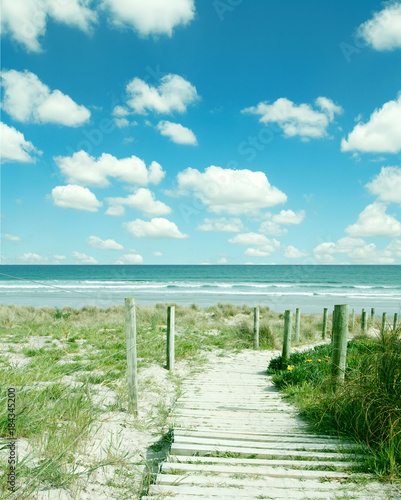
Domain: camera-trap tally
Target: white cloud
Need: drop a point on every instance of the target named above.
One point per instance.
(222, 260)
(82, 258)
(289, 218)
(130, 259)
(80, 168)
(383, 31)
(272, 228)
(150, 17)
(369, 254)
(120, 111)
(14, 147)
(157, 254)
(78, 197)
(10, 237)
(373, 221)
(143, 200)
(100, 244)
(230, 191)
(25, 20)
(265, 246)
(177, 133)
(156, 228)
(250, 239)
(31, 258)
(173, 94)
(27, 99)
(356, 249)
(395, 248)
(387, 185)
(257, 252)
(301, 120)
(233, 225)
(121, 122)
(291, 252)
(381, 134)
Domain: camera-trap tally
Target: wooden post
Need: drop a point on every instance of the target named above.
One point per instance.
(256, 328)
(364, 321)
(384, 321)
(130, 331)
(297, 324)
(287, 337)
(324, 332)
(372, 314)
(395, 321)
(170, 337)
(353, 319)
(340, 333)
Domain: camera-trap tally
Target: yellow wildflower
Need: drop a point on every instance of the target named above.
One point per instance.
(319, 360)
(309, 361)
(290, 368)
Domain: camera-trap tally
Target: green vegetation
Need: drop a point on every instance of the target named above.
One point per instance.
(69, 369)
(366, 408)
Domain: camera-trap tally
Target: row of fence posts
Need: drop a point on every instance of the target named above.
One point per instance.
(340, 326)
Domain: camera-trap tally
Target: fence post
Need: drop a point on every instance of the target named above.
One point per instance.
(297, 324)
(170, 337)
(395, 321)
(287, 337)
(340, 333)
(384, 320)
(324, 332)
(130, 331)
(256, 328)
(353, 319)
(372, 314)
(364, 321)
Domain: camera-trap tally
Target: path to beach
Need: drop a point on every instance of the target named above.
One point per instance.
(235, 437)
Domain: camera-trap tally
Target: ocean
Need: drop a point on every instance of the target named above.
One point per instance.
(310, 288)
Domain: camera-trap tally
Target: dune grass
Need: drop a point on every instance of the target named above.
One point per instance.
(65, 362)
(366, 409)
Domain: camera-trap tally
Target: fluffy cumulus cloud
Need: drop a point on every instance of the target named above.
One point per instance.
(177, 133)
(264, 246)
(373, 221)
(85, 170)
(95, 242)
(11, 237)
(291, 252)
(82, 258)
(25, 20)
(233, 225)
(27, 99)
(155, 228)
(14, 147)
(298, 120)
(150, 17)
(272, 228)
(289, 218)
(356, 249)
(73, 196)
(230, 191)
(173, 94)
(387, 185)
(395, 248)
(383, 31)
(381, 134)
(143, 200)
(130, 259)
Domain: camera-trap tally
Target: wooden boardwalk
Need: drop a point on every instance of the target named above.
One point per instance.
(235, 437)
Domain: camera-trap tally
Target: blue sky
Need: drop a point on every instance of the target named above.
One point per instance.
(188, 132)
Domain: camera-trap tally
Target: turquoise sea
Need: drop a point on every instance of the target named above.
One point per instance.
(280, 287)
